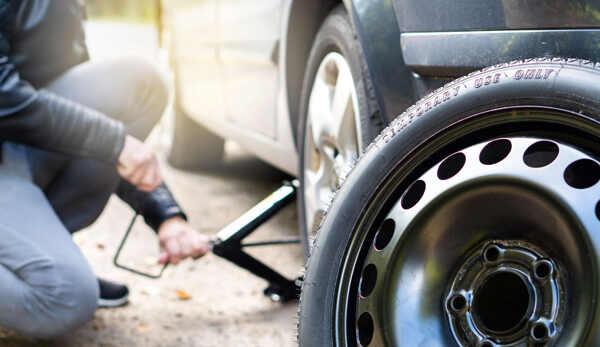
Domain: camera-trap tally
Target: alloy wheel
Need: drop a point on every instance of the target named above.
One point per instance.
(333, 135)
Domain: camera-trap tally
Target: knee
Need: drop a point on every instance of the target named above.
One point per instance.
(150, 86)
(150, 94)
(67, 304)
(157, 87)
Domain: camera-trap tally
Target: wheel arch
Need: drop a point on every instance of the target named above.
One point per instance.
(374, 22)
(308, 15)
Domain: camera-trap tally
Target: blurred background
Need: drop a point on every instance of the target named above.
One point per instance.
(143, 11)
(123, 28)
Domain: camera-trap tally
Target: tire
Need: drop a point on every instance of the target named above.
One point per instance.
(192, 145)
(336, 35)
(401, 260)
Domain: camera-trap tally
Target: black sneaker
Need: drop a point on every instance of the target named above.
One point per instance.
(112, 294)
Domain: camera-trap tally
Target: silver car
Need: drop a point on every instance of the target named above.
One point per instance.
(295, 98)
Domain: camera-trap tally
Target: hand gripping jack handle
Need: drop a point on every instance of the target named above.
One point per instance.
(228, 244)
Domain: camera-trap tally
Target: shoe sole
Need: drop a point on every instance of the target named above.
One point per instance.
(108, 303)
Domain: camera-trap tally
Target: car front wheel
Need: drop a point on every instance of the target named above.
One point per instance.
(338, 117)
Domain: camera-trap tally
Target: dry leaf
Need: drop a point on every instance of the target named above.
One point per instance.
(182, 295)
(142, 328)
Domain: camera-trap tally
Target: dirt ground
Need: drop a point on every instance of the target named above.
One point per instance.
(225, 306)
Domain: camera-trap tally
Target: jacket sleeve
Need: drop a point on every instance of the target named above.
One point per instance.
(41, 119)
(156, 206)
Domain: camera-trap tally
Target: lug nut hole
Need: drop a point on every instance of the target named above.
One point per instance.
(540, 332)
(458, 303)
(543, 269)
(491, 254)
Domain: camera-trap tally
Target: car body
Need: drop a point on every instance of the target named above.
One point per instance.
(241, 63)
(243, 71)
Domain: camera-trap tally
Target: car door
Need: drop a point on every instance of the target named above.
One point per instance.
(249, 33)
(193, 42)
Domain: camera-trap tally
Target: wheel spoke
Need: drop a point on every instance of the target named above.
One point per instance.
(315, 183)
(347, 139)
(341, 105)
(319, 110)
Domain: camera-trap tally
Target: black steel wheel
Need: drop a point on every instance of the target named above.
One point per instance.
(473, 220)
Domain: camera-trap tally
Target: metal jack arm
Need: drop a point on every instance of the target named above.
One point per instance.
(228, 243)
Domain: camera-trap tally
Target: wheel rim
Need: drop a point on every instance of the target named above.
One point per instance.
(423, 275)
(333, 137)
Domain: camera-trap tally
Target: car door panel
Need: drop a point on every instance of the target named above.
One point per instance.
(194, 51)
(249, 33)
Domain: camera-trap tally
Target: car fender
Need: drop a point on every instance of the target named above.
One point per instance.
(379, 38)
(379, 35)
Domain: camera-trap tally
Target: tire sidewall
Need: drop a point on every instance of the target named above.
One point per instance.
(572, 85)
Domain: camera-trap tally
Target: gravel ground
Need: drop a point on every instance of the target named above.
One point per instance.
(204, 303)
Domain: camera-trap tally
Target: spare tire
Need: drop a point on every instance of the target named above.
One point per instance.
(472, 220)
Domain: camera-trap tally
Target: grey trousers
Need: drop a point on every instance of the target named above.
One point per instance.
(47, 288)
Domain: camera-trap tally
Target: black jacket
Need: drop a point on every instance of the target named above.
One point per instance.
(39, 40)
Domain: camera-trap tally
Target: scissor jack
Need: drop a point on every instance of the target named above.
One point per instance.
(229, 244)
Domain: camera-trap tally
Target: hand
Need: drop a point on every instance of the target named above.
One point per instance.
(178, 240)
(138, 165)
